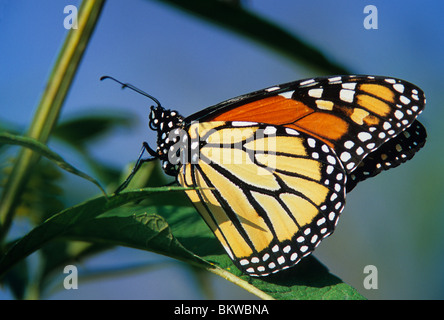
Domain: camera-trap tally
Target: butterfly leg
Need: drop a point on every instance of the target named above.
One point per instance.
(139, 163)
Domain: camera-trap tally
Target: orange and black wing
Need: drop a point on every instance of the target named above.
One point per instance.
(354, 115)
(270, 194)
(390, 155)
(272, 166)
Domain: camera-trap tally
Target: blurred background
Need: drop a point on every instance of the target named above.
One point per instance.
(394, 221)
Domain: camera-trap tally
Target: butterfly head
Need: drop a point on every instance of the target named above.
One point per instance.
(168, 124)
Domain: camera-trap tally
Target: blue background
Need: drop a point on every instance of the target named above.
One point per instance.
(394, 221)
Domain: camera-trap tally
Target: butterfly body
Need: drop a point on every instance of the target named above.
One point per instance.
(273, 167)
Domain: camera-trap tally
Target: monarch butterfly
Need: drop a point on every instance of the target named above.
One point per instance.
(273, 166)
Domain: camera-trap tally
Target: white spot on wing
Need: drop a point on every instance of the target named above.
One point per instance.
(399, 87)
(303, 83)
(349, 144)
(345, 156)
(270, 130)
(404, 100)
(311, 142)
(243, 123)
(272, 89)
(291, 131)
(398, 114)
(364, 136)
(315, 93)
(346, 95)
(334, 79)
(287, 94)
(350, 85)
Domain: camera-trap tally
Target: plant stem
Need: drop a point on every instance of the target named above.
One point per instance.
(49, 107)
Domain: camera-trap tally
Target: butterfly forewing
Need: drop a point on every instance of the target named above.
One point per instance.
(354, 115)
(270, 194)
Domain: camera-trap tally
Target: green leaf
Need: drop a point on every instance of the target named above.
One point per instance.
(309, 279)
(185, 237)
(147, 229)
(17, 280)
(254, 27)
(43, 150)
(42, 195)
(59, 253)
(10, 128)
(79, 131)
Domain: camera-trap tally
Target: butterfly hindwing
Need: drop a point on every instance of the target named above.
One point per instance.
(390, 155)
(270, 194)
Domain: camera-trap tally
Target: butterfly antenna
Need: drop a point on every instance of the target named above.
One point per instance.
(128, 85)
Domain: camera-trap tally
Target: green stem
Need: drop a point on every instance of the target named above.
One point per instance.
(49, 107)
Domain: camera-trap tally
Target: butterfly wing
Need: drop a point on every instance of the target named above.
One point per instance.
(271, 206)
(269, 193)
(390, 155)
(354, 115)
